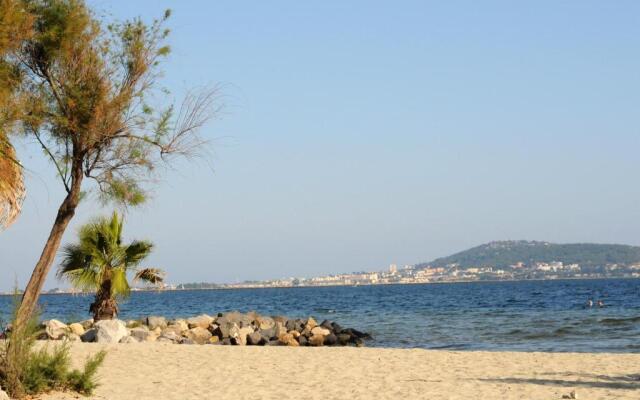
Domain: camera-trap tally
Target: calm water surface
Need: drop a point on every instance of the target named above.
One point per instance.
(541, 315)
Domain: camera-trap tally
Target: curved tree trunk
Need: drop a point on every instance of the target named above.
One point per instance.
(65, 214)
(104, 306)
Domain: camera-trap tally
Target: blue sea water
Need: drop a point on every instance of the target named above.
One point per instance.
(527, 315)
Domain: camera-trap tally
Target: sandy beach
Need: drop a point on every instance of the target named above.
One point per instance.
(165, 371)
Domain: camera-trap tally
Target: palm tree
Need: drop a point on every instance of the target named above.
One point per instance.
(100, 262)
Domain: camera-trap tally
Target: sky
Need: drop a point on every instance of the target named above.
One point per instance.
(363, 133)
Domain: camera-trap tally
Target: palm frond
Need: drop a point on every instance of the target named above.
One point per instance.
(150, 275)
(12, 190)
(119, 283)
(137, 251)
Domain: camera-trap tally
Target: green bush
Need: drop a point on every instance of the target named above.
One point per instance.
(25, 370)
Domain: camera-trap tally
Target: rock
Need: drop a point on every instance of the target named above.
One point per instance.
(110, 331)
(132, 323)
(572, 395)
(275, 342)
(72, 337)
(265, 322)
(89, 336)
(255, 339)
(268, 333)
(295, 325)
(157, 331)
(214, 340)
(202, 321)
(198, 335)
(181, 324)
(310, 324)
(326, 324)
(356, 333)
(236, 317)
(226, 341)
(344, 338)
(154, 322)
(303, 341)
(279, 330)
(316, 340)
(177, 329)
(279, 318)
(241, 339)
(295, 334)
(141, 333)
(330, 340)
(169, 335)
(189, 341)
(318, 330)
(128, 339)
(77, 329)
(288, 339)
(227, 329)
(87, 323)
(55, 329)
(336, 328)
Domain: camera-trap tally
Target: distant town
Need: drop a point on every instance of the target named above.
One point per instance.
(410, 274)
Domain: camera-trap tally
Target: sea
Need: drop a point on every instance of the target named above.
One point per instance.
(548, 316)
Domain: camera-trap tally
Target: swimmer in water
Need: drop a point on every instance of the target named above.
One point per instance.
(590, 303)
(600, 303)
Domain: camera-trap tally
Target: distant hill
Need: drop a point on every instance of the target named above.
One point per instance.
(505, 253)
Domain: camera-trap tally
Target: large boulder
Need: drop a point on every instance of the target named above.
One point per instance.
(154, 322)
(198, 334)
(77, 329)
(202, 321)
(227, 329)
(330, 340)
(169, 335)
(180, 324)
(87, 324)
(310, 324)
(128, 339)
(110, 331)
(55, 329)
(141, 333)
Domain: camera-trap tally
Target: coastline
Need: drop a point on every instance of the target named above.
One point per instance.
(350, 286)
(157, 370)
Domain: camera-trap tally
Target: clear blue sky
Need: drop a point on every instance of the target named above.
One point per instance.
(362, 133)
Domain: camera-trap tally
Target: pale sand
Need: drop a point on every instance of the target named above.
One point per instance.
(165, 371)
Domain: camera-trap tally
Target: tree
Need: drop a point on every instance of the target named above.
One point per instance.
(101, 262)
(86, 89)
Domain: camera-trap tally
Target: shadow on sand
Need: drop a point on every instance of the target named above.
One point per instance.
(624, 382)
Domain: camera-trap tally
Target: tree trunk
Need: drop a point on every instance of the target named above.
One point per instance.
(65, 214)
(104, 306)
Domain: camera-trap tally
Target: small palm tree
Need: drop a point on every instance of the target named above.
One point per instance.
(100, 262)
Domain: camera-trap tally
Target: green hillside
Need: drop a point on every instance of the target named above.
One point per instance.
(505, 253)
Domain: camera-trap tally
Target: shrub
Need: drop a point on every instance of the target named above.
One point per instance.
(25, 370)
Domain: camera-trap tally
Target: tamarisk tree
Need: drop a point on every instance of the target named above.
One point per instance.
(87, 88)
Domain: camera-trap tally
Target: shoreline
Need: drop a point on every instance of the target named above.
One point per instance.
(349, 286)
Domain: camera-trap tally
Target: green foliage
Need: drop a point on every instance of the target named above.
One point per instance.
(506, 253)
(26, 370)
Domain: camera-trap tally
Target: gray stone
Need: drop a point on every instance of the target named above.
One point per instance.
(87, 323)
(89, 336)
(110, 331)
(188, 341)
(268, 333)
(154, 322)
(303, 340)
(55, 329)
(279, 330)
(343, 338)
(227, 329)
(255, 339)
(236, 317)
(169, 335)
(141, 333)
(330, 340)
